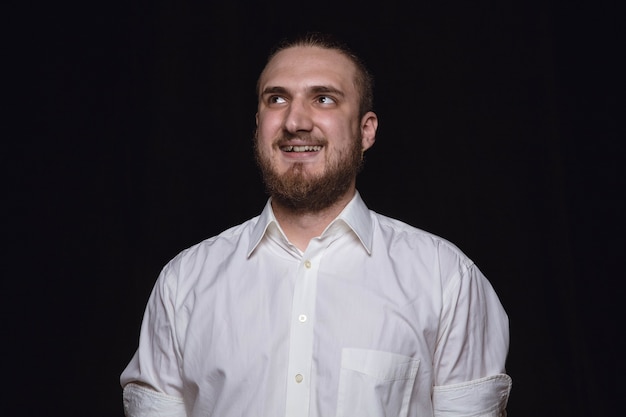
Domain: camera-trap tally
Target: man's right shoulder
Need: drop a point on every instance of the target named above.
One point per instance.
(228, 242)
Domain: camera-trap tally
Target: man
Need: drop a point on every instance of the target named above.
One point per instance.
(319, 306)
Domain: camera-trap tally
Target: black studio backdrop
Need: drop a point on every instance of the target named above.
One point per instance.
(131, 140)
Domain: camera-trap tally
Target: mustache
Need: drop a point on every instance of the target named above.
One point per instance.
(285, 138)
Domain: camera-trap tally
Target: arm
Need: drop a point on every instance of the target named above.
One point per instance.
(472, 347)
(142, 401)
(152, 382)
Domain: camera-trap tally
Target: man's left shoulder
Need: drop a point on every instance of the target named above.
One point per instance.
(400, 231)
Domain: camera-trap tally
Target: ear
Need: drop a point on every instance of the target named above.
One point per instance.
(256, 119)
(369, 124)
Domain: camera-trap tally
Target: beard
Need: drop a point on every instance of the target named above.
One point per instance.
(303, 192)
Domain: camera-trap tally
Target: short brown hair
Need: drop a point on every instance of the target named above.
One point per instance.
(364, 80)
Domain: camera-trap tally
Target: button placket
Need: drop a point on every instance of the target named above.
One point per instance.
(301, 335)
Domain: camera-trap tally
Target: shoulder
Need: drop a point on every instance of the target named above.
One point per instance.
(398, 232)
(419, 250)
(213, 250)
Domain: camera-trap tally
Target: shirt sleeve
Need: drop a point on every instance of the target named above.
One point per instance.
(472, 345)
(484, 397)
(141, 401)
(153, 377)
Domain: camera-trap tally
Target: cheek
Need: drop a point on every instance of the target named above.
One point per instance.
(263, 138)
(268, 123)
(339, 126)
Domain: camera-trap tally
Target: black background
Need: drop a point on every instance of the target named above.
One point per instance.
(128, 138)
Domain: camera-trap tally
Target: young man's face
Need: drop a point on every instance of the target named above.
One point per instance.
(309, 138)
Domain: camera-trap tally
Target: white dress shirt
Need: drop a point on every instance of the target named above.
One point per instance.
(375, 318)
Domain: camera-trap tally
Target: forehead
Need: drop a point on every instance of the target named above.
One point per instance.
(309, 65)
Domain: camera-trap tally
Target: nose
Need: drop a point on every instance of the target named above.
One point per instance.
(298, 117)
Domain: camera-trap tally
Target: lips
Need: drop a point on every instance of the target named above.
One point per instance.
(301, 148)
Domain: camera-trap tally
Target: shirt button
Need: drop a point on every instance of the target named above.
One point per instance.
(302, 318)
(307, 264)
(299, 378)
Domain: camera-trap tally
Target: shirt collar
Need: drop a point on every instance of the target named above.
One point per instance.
(355, 215)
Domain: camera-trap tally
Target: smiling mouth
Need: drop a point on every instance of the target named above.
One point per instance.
(305, 148)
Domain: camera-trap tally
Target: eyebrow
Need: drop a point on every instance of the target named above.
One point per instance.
(325, 89)
(274, 90)
(316, 89)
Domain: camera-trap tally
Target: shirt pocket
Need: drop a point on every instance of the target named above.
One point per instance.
(374, 383)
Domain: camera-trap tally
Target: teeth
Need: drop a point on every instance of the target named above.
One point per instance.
(305, 148)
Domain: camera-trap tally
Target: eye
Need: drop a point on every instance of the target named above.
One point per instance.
(326, 100)
(276, 100)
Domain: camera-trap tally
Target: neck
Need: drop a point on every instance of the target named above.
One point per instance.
(302, 226)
